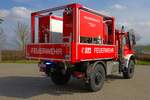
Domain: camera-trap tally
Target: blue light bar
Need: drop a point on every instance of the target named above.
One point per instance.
(48, 63)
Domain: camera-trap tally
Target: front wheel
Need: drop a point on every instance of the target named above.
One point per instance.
(129, 72)
(96, 78)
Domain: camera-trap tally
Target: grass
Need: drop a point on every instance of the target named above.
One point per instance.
(143, 47)
(21, 61)
(147, 47)
(141, 62)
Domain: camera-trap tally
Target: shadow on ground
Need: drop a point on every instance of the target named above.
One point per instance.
(113, 77)
(26, 87)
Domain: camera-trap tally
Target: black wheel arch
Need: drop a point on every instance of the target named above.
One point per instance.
(103, 63)
(133, 58)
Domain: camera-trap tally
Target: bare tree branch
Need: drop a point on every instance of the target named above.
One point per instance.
(1, 20)
(22, 31)
(2, 38)
(137, 36)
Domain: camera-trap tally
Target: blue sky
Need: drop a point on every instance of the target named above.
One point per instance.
(36, 4)
(131, 13)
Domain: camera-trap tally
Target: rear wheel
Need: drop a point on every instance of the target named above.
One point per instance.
(129, 72)
(60, 76)
(96, 78)
(47, 71)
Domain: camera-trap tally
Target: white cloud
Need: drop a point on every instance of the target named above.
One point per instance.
(22, 0)
(21, 12)
(15, 13)
(3, 13)
(118, 7)
(104, 12)
(145, 24)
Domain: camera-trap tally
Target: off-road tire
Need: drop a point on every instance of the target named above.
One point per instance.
(96, 78)
(59, 78)
(129, 72)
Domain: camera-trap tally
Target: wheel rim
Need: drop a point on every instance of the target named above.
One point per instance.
(131, 68)
(98, 78)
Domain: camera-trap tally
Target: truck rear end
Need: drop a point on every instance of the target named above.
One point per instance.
(72, 37)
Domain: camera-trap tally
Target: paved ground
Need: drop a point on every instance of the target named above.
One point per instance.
(22, 81)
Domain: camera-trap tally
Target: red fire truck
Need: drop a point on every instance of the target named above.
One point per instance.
(73, 40)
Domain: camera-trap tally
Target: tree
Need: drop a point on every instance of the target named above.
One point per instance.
(22, 32)
(2, 38)
(1, 20)
(2, 35)
(137, 36)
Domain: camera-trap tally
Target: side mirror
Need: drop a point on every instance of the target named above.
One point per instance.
(131, 40)
(122, 30)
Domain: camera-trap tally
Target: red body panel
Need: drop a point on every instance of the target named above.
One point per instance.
(67, 24)
(91, 25)
(127, 51)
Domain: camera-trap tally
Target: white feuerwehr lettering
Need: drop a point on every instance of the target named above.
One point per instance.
(88, 50)
(103, 50)
(51, 51)
(92, 19)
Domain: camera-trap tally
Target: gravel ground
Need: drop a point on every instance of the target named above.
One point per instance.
(24, 81)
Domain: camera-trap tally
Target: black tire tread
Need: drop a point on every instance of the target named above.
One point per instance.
(127, 74)
(59, 79)
(92, 85)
